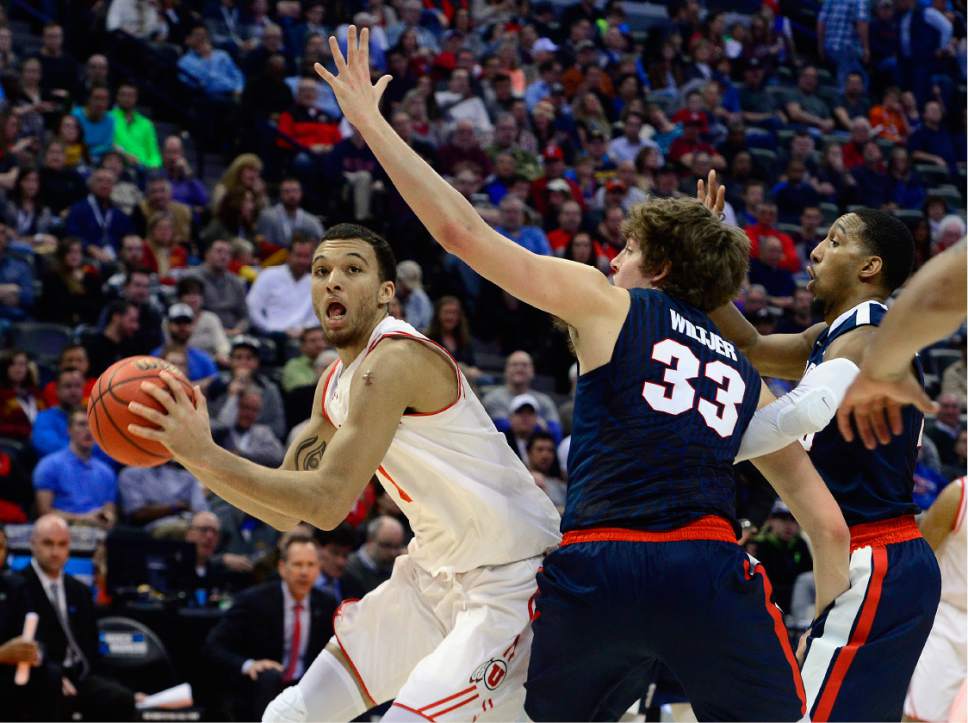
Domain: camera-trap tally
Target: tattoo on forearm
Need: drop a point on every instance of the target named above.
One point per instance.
(309, 453)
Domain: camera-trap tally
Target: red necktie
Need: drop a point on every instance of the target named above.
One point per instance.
(296, 640)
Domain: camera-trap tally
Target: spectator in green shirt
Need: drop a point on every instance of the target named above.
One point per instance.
(134, 133)
(300, 371)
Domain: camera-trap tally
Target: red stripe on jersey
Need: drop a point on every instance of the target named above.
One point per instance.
(780, 629)
(461, 704)
(356, 672)
(862, 629)
(329, 378)
(412, 710)
(400, 491)
(459, 693)
(438, 347)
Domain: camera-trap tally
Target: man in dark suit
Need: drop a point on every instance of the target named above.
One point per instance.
(13, 648)
(67, 633)
(274, 631)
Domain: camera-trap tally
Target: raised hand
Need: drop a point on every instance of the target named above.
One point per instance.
(357, 95)
(711, 194)
(183, 427)
(876, 407)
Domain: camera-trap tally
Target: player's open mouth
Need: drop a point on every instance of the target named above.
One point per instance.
(335, 311)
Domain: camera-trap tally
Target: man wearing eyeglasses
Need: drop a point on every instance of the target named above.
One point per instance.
(373, 562)
(211, 575)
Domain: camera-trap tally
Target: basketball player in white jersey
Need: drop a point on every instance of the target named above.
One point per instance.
(942, 667)
(448, 635)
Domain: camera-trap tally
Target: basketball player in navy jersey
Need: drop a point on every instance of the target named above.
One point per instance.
(931, 308)
(649, 568)
(862, 650)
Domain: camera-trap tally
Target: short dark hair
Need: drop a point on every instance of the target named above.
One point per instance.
(118, 307)
(385, 257)
(296, 537)
(707, 259)
(538, 436)
(67, 370)
(343, 535)
(67, 349)
(140, 270)
(889, 238)
(300, 237)
(189, 285)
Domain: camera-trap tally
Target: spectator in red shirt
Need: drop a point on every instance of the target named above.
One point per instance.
(766, 226)
(693, 111)
(554, 166)
(689, 143)
(569, 222)
(860, 133)
(889, 117)
(306, 124)
(609, 233)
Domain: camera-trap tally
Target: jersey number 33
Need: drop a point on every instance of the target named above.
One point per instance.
(677, 395)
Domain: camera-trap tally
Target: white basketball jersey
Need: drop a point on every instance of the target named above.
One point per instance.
(953, 557)
(469, 499)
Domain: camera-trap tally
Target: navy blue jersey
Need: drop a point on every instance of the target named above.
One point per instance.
(656, 429)
(868, 485)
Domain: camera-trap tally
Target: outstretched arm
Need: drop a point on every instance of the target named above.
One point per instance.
(573, 292)
(931, 306)
(782, 356)
(794, 478)
(321, 495)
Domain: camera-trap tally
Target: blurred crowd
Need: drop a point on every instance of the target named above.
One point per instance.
(167, 168)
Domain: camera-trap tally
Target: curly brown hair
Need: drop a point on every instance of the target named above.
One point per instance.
(707, 259)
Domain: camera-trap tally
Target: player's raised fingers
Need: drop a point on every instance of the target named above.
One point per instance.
(152, 415)
(364, 59)
(381, 85)
(720, 200)
(161, 395)
(351, 47)
(201, 403)
(337, 54)
(176, 387)
(146, 432)
(324, 74)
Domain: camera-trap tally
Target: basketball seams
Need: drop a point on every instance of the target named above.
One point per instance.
(131, 441)
(111, 393)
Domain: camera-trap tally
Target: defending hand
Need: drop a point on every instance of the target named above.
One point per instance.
(358, 97)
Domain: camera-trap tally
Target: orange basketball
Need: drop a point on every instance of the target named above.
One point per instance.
(107, 410)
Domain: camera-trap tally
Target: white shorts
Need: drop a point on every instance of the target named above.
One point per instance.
(445, 647)
(941, 669)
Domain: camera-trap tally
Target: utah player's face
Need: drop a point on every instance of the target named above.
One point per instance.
(836, 261)
(348, 296)
(627, 267)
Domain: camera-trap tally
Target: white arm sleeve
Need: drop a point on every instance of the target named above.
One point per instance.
(807, 409)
